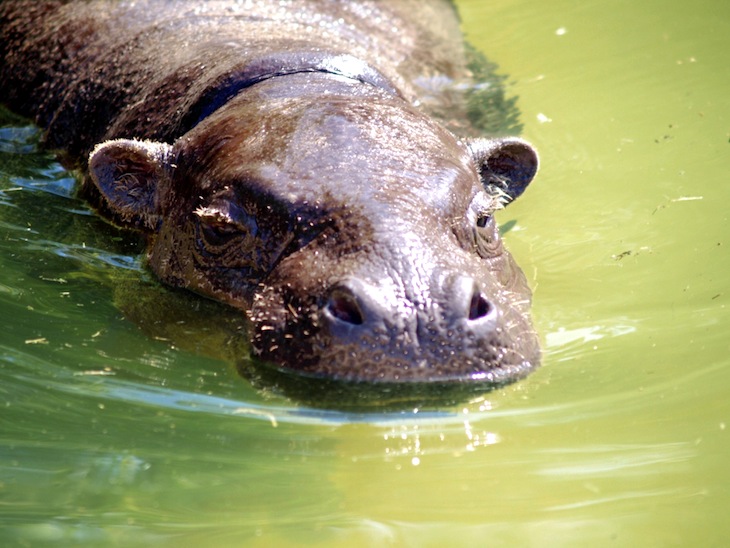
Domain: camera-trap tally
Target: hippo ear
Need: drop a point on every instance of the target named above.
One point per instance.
(128, 174)
(505, 165)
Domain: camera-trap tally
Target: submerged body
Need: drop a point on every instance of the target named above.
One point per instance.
(299, 162)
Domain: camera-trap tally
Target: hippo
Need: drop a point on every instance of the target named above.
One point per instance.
(311, 164)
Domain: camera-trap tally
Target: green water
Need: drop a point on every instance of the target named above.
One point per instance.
(111, 437)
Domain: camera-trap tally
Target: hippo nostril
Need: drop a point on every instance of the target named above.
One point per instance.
(479, 307)
(343, 306)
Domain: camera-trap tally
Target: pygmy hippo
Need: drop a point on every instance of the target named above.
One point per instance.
(308, 162)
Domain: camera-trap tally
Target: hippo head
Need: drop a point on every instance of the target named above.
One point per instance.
(354, 231)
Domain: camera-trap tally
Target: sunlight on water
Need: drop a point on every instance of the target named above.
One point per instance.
(111, 436)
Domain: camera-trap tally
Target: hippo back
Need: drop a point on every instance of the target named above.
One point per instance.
(97, 70)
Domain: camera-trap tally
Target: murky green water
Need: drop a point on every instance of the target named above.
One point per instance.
(110, 437)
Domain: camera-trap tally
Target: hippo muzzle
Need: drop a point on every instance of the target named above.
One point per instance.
(413, 318)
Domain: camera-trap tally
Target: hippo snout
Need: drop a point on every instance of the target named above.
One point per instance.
(352, 307)
(451, 329)
(480, 312)
(355, 308)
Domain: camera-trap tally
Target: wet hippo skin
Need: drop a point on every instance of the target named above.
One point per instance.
(313, 164)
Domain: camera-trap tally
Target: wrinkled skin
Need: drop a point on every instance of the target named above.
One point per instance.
(353, 229)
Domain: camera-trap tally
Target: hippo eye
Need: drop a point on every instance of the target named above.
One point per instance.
(486, 226)
(483, 220)
(487, 240)
(218, 234)
(216, 227)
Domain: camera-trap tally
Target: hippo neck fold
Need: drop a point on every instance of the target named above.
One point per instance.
(285, 64)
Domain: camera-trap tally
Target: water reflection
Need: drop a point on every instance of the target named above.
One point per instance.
(414, 441)
(563, 337)
(597, 461)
